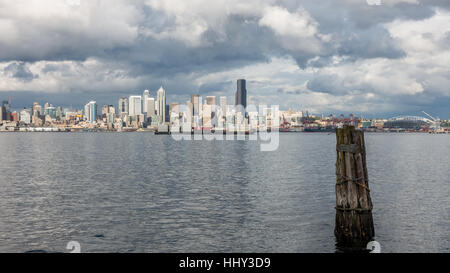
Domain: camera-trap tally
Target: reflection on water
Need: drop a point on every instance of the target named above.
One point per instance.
(144, 193)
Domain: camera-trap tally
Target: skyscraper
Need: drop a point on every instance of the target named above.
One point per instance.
(145, 97)
(6, 110)
(36, 110)
(161, 104)
(135, 107)
(25, 116)
(241, 94)
(211, 102)
(150, 108)
(223, 105)
(91, 114)
(123, 106)
(195, 105)
(107, 109)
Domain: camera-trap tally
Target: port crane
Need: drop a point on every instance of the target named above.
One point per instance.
(436, 122)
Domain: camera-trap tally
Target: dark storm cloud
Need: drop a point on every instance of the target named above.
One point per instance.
(20, 71)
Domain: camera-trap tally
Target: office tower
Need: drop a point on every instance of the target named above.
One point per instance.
(91, 111)
(58, 113)
(36, 110)
(86, 111)
(166, 115)
(123, 106)
(112, 109)
(145, 97)
(25, 116)
(161, 104)
(105, 110)
(223, 105)
(6, 110)
(241, 94)
(1, 113)
(189, 107)
(110, 118)
(211, 102)
(46, 105)
(151, 108)
(195, 105)
(135, 108)
(50, 111)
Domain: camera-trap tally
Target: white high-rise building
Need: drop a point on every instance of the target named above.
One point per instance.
(161, 104)
(135, 108)
(91, 111)
(145, 97)
(25, 116)
(223, 105)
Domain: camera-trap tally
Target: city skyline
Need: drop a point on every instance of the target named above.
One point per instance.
(376, 60)
(218, 100)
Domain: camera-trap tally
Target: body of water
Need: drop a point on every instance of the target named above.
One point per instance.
(137, 192)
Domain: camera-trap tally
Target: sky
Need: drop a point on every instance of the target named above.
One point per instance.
(367, 57)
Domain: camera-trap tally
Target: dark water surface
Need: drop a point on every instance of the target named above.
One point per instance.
(136, 192)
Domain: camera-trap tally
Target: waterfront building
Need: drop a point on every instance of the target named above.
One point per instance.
(145, 97)
(161, 104)
(123, 106)
(25, 116)
(135, 107)
(14, 116)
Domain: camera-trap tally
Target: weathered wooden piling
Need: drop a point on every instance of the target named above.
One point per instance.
(354, 222)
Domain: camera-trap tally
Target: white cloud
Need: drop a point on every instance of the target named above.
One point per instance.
(297, 31)
(39, 29)
(66, 76)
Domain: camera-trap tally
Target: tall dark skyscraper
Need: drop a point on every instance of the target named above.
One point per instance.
(6, 110)
(241, 94)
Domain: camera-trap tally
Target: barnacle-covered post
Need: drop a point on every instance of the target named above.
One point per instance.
(354, 222)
